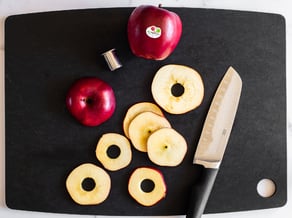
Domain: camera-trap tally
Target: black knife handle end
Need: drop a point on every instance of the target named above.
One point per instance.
(200, 193)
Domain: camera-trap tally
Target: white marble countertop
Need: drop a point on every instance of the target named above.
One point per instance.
(11, 7)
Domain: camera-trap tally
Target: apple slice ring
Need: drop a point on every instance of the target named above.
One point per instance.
(147, 197)
(136, 109)
(96, 194)
(177, 89)
(142, 126)
(166, 147)
(121, 154)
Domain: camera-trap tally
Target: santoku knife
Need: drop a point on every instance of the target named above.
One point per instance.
(214, 138)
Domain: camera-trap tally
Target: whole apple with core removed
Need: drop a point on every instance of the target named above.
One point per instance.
(91, 101)
(153, 32)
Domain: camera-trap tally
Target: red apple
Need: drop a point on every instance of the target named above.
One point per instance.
(91, 101)
(153, 32)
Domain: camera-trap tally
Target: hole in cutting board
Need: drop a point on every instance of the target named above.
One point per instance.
(266, 188)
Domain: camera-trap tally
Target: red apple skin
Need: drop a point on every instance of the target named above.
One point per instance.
(145, 46)
(91, 101)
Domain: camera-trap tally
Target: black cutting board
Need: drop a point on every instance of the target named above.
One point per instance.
(46, 52)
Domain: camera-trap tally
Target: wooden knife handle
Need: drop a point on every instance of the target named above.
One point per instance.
(200, 193)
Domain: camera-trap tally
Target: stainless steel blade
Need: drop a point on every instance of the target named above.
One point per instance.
(219, 121)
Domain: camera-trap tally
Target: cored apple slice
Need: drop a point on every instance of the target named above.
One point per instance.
(97, 192)
(114, 151)
(136, 109)
(177, 89)
(151, 194)
(166, 147)
(142, 126)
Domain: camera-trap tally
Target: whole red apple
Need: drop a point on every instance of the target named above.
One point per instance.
(91, 101)
(153, 32)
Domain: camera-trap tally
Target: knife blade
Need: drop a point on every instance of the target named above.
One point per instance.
(214, 139)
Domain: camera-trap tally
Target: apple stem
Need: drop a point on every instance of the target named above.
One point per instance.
(87, 100)
(160, 5)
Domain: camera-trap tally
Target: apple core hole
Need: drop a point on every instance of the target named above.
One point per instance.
(147, 185)
(113, 151)
(88, 184)
(177, 90)
(266, 188)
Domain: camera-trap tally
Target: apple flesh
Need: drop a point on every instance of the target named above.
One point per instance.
(101, 187)
(166, 147)
(142, 126)
(136, 109)
(121, 158)
(170, 76)
(153, 32)
(91, 101)
(147, 197)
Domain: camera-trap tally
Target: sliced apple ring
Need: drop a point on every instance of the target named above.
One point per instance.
(136, 109)
(97, 193)
(166, 147)
(142, 126)
(121, 154)
(147, 197)
(177, 89)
